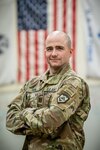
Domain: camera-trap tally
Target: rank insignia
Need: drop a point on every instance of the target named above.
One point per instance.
(62, 98)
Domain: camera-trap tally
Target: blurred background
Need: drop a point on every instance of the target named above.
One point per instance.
(24, 25)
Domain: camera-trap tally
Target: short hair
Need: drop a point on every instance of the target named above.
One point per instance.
(68, 40)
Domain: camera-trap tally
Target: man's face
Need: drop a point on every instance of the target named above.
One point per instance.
(57, 52)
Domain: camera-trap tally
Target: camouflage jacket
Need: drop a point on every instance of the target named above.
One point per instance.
(50, 111)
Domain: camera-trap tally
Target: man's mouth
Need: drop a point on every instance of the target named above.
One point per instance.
(53, 59)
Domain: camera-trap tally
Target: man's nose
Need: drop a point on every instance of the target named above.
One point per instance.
(54, 52)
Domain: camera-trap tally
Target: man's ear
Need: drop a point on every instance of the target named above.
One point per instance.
(71, 50)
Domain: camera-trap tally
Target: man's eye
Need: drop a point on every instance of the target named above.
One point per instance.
(49, 49)
(60, 48)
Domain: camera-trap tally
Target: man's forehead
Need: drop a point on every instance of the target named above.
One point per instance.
(55, 42)
(55, 35)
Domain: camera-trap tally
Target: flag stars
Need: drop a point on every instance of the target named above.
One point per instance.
(32, 14)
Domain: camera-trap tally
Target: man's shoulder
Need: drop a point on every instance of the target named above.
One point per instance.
(32, 82)
(74, 79)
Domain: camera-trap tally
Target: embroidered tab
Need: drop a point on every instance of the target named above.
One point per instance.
(62, 98)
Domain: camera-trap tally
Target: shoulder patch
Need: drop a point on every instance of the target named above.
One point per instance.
(62, 98)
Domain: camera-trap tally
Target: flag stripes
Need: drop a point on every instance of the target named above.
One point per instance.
(61, 15)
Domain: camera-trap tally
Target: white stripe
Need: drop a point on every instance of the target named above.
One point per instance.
(50, 15)
(31, 53)
(69, 22)
(69, 18)
(59, 15)
(41, 51)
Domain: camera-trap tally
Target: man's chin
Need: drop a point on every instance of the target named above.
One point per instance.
(55, 67)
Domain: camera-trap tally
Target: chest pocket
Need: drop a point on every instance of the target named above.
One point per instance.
(40, 98)
(31, 100)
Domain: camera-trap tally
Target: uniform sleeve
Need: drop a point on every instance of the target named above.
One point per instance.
(64, 103)
(85, 107)
(13, 118)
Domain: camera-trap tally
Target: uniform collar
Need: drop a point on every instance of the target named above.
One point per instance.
(54, 79)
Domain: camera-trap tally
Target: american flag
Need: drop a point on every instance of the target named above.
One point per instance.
(37, 18)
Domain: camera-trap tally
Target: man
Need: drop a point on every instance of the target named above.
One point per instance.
(51, 109)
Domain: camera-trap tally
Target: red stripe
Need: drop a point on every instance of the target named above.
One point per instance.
(64, 15)
(36, 52)
(74, 31)
(55, 14)
(45, 62)
(27, 56)
(19, 59)
(36, 57)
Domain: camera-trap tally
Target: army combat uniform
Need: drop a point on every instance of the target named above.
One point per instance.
(50, 111)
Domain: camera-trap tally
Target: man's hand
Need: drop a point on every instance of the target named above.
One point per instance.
(26, 111)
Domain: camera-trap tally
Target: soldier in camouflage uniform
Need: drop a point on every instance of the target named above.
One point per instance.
(51, 109)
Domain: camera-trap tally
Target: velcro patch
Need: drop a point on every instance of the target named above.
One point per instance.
(62, 98)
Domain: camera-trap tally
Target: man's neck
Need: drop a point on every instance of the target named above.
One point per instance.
(54, 71)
